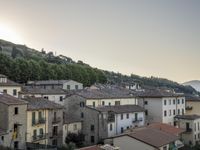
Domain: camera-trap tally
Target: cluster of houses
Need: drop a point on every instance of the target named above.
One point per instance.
(41, 115)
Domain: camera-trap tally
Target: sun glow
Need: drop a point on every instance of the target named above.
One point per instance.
(8, 33)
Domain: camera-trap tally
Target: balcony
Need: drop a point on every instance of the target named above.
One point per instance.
(188, 130)
(56, 120)
(39, 137)
(189, 108)
(137, 120)
(38, 122)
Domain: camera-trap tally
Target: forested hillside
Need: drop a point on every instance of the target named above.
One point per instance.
(21, 64)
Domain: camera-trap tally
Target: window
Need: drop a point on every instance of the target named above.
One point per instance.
(127, 127)
(55, 142)
(165, 113)
(46, 97)
(92, 139)
(82, 104)
(146, 112)
(14, 92)
(146, 102)
(55, 130)
(76, 87)
(109, 103)
(16, 110)
(16, 145)
(41, 131)
(174, 101)
(2, 138)
(93, 104)
(92, 127)
(178, 111)
(75, 126)
(82, 115)
(165, 148)
(33, 118)
(40, 115)
(178, 101)
(165, 102)
(61, 98)
(127, 116)
(198, 125)
(121, 116)
(195, 127)
(183, 112)
(122, 129)
(5, 91)
(136, 116)
(182, 101)
(170, 112)
(170, 102)
(68, 87)
(103, 103)
(174, 112)
(34, 133)
(117, 102)
(111, 127)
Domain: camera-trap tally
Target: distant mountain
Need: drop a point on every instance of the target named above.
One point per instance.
(194, 83)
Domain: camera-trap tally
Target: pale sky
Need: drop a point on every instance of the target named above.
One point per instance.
(145, 37)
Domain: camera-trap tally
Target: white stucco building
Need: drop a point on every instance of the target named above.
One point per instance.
(9, 87)
(162, 106)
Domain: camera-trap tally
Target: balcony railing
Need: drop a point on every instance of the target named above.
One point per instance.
(189, 130)
(39, 137)
(39, 121)
(56, 120)
(137, 120)
(189, 108)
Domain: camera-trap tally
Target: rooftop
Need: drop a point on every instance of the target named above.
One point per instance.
(166, 128)
(153, 137)
(187, 117)
(2, 76)
(105, 93)
(41, 103)
(192, 98)
(48, 82)
(9, 83)
(33, 90)
(10, 100)
(158, 93)
(120, 109)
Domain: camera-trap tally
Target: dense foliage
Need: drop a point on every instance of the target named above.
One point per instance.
(77, 139)
(21, 70)
(21, 64)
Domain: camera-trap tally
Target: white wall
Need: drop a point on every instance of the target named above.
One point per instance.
(123, 101)
(10, 90)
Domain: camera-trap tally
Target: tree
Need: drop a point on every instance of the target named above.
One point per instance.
(75, 138)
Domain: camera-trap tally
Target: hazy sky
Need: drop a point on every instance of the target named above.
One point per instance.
(144, 37)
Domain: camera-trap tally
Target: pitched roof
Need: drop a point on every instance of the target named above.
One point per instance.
(105, 93)
(120, 109)
(33, 90)
(192, 98)
(41, 103)
(10, 100)
(2, 76)
(158, 93)
(9, 83)
(166, 128)
(48, 82)
(188, 117)
(153, 137)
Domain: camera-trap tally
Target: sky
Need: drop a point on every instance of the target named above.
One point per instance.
(158, 38)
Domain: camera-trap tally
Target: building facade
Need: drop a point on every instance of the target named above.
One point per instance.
(13, 120)
(9, 87)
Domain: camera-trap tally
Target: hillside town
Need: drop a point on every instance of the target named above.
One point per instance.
(63, 114)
